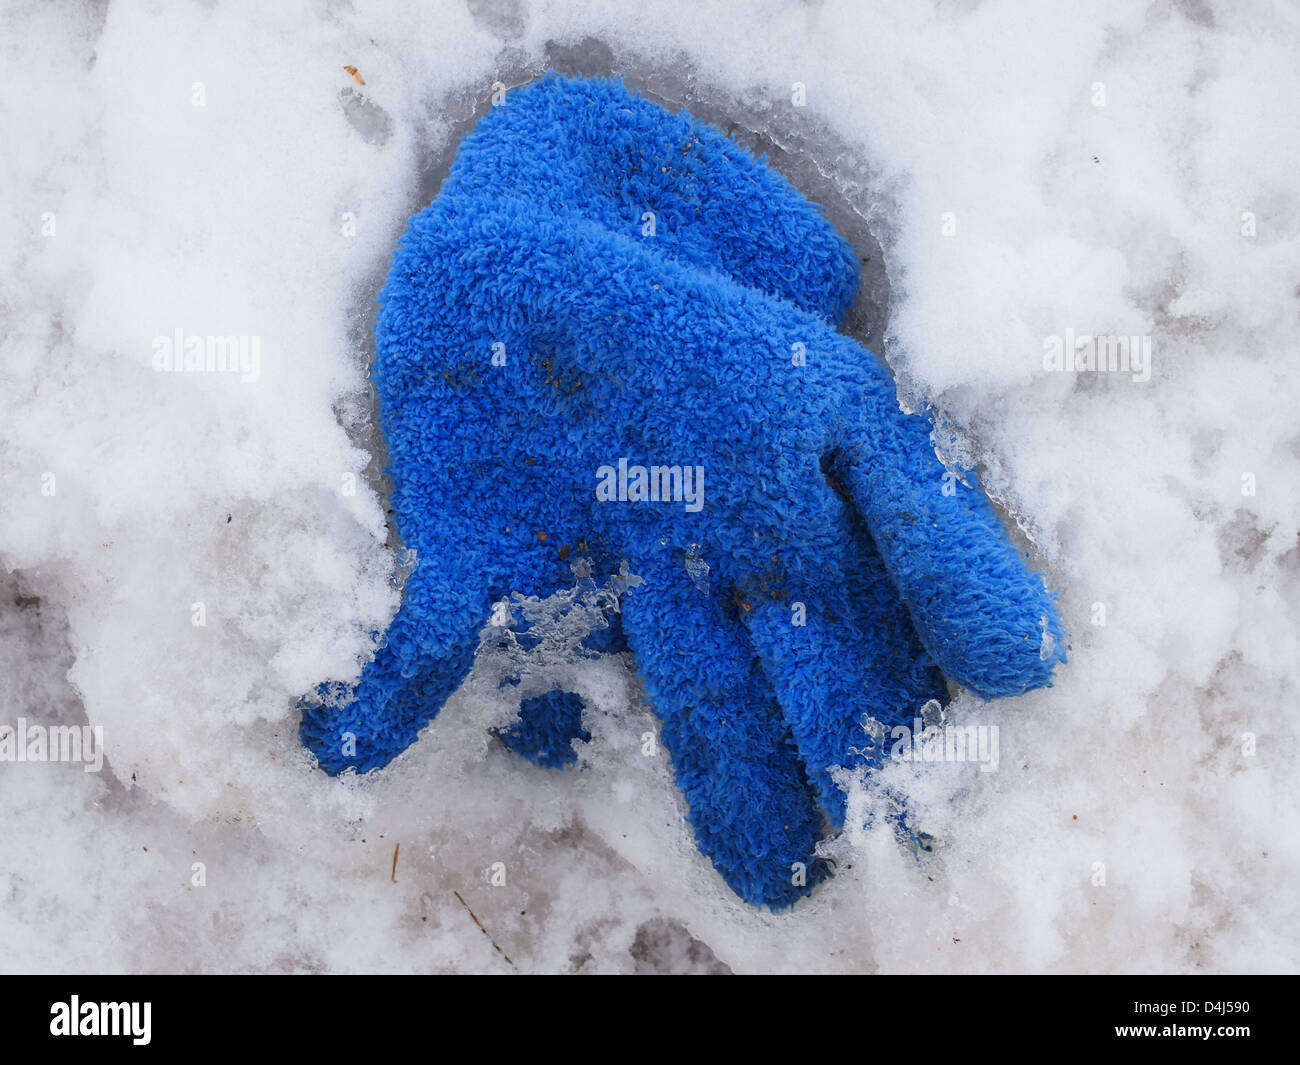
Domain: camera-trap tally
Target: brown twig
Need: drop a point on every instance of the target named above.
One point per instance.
(484, 930)
(396, 848)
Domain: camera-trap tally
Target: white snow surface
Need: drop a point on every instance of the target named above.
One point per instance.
(1111, 167)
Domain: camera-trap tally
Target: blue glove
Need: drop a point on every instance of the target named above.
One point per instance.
(846, 575)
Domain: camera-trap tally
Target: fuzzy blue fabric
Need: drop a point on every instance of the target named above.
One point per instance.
(660, 297)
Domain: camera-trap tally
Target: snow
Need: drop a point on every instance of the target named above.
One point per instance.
(1111, 169)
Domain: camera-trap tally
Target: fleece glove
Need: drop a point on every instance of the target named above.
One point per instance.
(612, 335)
